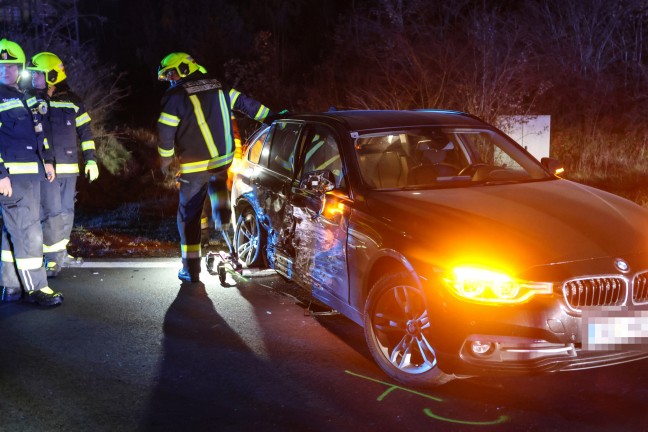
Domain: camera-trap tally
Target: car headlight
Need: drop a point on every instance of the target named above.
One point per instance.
(487, 286)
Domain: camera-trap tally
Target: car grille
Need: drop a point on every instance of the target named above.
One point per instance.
(597, 291)
(640, 288)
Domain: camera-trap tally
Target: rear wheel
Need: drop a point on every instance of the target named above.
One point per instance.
(249, 240)
(397, 330)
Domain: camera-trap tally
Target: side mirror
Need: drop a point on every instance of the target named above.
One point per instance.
(554, 166)
(318, 181)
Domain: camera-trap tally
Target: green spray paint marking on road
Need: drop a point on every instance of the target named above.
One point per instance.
(427, 411)
(393, 387)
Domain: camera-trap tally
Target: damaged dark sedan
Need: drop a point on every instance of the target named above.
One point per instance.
(458, 252)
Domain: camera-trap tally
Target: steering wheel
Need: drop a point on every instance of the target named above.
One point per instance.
(471, 169)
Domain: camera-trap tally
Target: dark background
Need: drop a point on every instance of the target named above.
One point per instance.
(136, 35)
(581, 61)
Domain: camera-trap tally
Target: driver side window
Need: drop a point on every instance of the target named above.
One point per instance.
(279, 150)
(322, 153)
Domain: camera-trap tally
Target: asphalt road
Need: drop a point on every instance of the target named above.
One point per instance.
(132, 349)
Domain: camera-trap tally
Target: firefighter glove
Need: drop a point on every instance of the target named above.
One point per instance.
(165, 164)
(91, 170)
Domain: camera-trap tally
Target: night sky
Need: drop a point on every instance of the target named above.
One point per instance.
(135, 35)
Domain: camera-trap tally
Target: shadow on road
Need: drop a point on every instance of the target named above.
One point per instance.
(209, 378)
(202, 358)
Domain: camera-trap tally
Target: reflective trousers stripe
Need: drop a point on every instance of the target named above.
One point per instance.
(190, 251)
(22, 236)
(190, 208)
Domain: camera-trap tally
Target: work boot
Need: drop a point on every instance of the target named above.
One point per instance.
(52, 269)
(45, 297)
(10, 294)
(70, 261)
(184, 275)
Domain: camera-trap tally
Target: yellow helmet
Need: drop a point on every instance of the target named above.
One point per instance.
(181, 62)
(50, 64)
(10, 52)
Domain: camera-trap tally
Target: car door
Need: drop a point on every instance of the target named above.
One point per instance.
(320, 233)
(272, 181)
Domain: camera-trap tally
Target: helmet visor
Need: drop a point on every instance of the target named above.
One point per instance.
(166, 73)
(7, 56)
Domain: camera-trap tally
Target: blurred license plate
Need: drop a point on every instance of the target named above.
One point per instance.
(613, 329)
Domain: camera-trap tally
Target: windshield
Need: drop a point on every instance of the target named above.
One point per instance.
(440, 157)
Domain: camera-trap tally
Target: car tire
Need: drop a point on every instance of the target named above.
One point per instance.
(249, 240)
(397, 330)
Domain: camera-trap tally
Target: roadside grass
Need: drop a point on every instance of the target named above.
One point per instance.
(129, 213)
(614, 162)
(134, 229)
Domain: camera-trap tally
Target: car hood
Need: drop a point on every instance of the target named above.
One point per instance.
(515, 226)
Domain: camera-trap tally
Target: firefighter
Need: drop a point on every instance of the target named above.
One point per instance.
(68, 124)
(25, 159)
(196, 113)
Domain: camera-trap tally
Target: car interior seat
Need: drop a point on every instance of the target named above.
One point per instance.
(438, 158)
(423, 171)
(389, 170)
(430, 159)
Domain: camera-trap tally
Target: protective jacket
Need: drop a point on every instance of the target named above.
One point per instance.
(67, 120)
(22, 152)
(195, 116)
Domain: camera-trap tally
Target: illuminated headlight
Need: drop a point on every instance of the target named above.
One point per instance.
(486, 286)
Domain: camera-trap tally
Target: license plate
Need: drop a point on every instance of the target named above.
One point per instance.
(612, 329)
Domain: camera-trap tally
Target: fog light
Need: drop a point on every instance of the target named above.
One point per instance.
(482, 348)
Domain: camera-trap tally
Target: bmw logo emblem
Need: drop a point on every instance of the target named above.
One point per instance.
(621, 265)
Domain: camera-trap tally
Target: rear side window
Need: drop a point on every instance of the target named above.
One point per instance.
(279, 151)
(256, 145)
(322, 153)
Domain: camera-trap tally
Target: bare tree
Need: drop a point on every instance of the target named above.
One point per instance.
(41, 25)
(464, 55)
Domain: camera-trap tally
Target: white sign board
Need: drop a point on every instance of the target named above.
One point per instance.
(531, 132)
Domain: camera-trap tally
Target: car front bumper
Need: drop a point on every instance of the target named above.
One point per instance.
(540, 336)
(491, 355)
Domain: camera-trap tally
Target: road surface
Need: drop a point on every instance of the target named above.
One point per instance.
(133, 349)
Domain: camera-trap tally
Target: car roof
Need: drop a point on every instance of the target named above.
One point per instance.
(367, 120)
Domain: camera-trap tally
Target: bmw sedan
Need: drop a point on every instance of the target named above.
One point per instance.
(458, 252)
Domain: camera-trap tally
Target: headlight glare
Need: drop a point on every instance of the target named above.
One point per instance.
(487, 286)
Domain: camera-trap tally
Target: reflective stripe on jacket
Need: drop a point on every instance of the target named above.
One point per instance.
(196, 118)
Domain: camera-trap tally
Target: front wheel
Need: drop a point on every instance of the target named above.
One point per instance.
(249, 239)
(397, 330)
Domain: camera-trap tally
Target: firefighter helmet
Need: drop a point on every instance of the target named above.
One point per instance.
(10, 52)
(50, 64)
(181, 62)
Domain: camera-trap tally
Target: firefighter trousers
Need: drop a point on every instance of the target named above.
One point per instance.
(22, 236)
(194, 189)
(57, 216)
